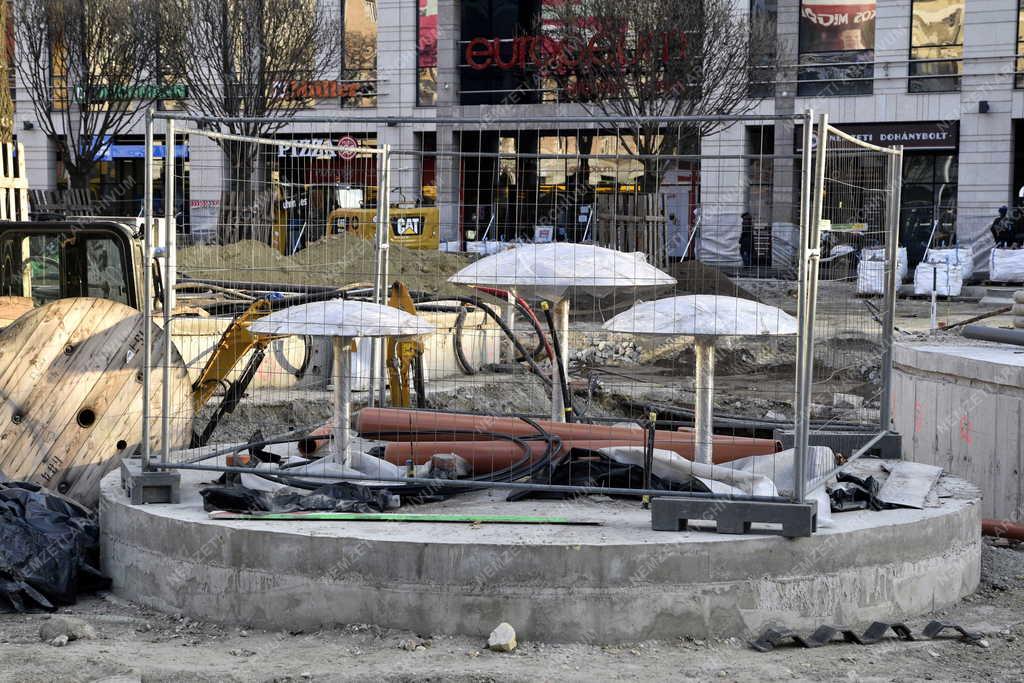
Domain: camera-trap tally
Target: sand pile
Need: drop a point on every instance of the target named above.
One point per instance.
(335, 260)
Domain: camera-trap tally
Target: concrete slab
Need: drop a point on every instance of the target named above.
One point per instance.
(960, 407)
(620, 582)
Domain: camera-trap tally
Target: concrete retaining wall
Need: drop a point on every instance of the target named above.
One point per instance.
(621, 582)
(960, 407)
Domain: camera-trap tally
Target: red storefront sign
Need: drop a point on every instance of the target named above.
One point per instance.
(603, 50)
(318, 90)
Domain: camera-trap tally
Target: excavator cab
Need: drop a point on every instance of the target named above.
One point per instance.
(44, 262)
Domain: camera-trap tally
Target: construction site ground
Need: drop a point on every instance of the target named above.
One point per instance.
(136, 644)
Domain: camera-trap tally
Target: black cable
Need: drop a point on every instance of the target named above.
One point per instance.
(473, 301)
(538, 352)
(562, 379)
(460, 354)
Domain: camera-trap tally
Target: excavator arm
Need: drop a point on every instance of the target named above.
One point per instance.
(234, 344)
(404, 356)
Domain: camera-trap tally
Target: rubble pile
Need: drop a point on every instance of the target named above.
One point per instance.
(608, 353)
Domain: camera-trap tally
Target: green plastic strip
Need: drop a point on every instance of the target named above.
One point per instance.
(398, 517)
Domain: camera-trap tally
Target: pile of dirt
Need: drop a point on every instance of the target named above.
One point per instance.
(694, 277)
(335, 260)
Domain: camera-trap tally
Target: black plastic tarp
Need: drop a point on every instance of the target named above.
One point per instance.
(49, 549)
(338, 497)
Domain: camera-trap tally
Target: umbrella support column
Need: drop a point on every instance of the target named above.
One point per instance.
(342, 377)
(561, 315)
(704, 386)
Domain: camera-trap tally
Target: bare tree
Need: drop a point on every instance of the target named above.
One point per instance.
(655, 59)
(87, 66)
(6, 105)
(238, 59)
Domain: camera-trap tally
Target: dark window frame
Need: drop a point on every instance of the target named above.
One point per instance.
(843, 85)
(924, 79)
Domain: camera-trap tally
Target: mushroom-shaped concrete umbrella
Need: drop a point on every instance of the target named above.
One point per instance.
(343, 321)
(548, 271)
(705, 317)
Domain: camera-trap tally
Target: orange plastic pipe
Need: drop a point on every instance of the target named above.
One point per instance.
(487, 456)
(393, 424)
(1001, 528)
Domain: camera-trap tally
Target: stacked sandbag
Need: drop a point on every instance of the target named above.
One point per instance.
(954, 256)
(943, 277)
(871, 269)
(1006, 265)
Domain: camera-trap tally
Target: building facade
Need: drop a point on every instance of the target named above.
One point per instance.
(939, 77)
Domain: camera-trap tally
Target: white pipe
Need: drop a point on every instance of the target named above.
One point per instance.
(704, 389)
(561, 314)
(510, 320)
(342, 377)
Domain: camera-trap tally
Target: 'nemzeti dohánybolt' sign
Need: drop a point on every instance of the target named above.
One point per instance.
(909, 134)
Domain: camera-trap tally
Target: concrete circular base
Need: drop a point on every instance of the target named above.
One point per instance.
(619, 582)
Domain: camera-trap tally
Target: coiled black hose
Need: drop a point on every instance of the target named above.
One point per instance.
(473, 301)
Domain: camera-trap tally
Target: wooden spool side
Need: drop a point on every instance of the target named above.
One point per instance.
(71, 380)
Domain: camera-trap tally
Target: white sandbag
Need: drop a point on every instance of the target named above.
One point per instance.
(878, 254)
(871, 277)
(958, 256)
(1006, 265)
(945, 278)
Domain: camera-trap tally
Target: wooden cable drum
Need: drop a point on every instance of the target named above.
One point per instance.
(71, 383)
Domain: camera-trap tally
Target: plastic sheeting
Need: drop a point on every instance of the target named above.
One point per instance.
(49, 549)
(704, 314)
(342, 318)
(785, 245)
(762, 475)
(958, 256)
(718, 239)
(548, 271)
(945, 278)
(1006, 265)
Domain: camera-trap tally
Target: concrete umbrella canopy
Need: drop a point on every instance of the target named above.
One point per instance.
(705, 317)
(549, 271)
(343, 321)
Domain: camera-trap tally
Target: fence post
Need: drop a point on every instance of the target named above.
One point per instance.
(147, 291)
(170, 276)
(811, 204)
(380, 267)
(892, 252)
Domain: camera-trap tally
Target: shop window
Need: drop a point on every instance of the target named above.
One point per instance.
(427, 142)
(837, 48)
(760, 172)
(936, 45)
(764, 19)
(495, 67)
(928, 197)
(426, 54)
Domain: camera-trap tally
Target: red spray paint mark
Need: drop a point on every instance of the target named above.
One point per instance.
(965, 430)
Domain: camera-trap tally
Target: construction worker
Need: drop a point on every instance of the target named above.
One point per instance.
(1002, 228)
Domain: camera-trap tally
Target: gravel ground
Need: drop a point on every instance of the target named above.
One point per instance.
(136, 644)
